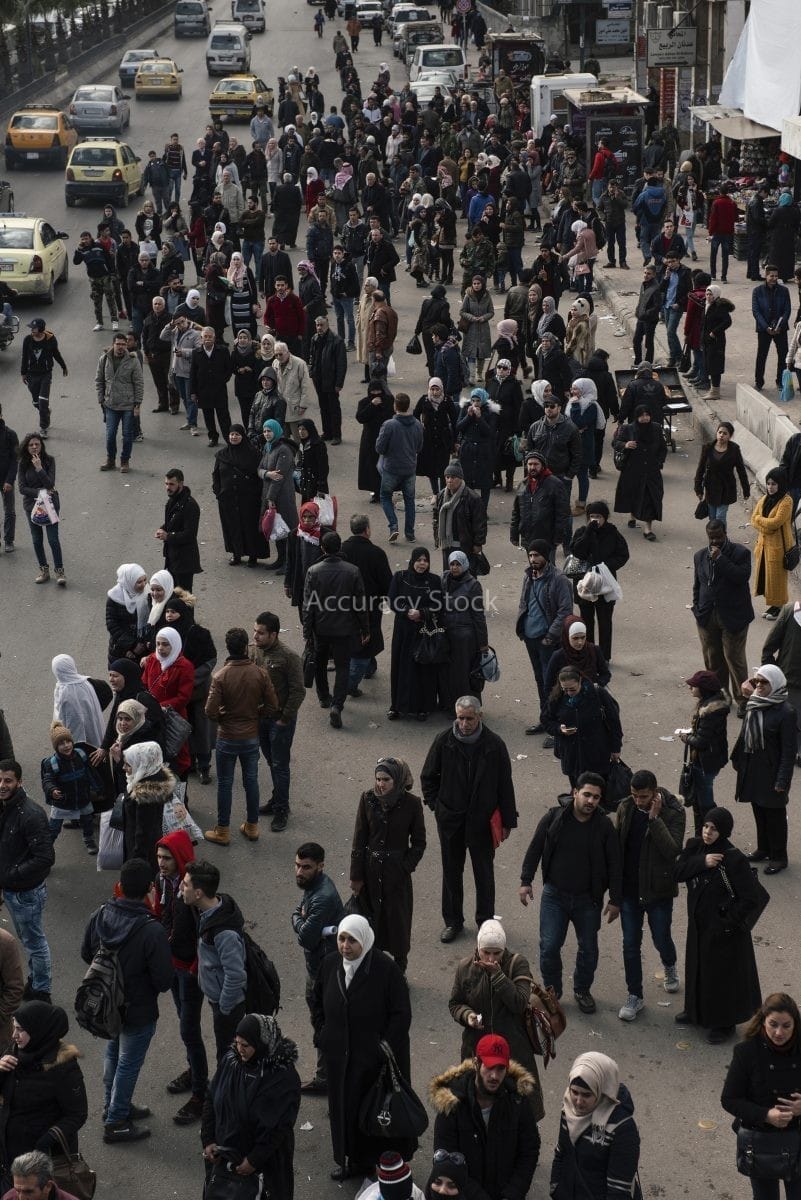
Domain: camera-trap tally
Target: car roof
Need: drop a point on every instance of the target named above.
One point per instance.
(102, 141)
(37, 108)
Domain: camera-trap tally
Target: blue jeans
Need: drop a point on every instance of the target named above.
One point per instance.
(357, 671)
(404, 484)
(27, 910)
(598, 188)
(254, 250)
(174, 188)
(699, 368)
(632, 919)
(724, 241)
(37, 537)
(185, 392)
(276, 746)
(558, 910)
(717, 512)
(648, 232)
(227, 751)
(115, 418)
(125, 1056)
(343, 307)
(672, 318)
(189, 1004)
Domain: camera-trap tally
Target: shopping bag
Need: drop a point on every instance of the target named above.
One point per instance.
(328, 510)
(267, 523)
(110, 845)
(788, 386)
(44, 510)
(280, 529)
(391, 368)
(610, 589)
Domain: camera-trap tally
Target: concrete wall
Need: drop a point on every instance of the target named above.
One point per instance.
(761, 430)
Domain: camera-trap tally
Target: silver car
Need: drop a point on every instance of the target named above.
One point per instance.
(99, 107)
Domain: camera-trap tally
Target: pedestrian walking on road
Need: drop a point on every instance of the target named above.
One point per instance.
(101, 269)
(722, 607)
(9, 466)
(120, 388)
(178, 534)
(39, 352)
(37, 475)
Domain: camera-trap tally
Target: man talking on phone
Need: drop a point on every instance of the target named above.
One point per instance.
(580, 856)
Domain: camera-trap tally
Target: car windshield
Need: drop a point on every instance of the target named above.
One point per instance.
(188, 8)
(224, 41)
(34, 121)
(94, 156)
(16, 239)
(155, 68)
(248, 5)
(442, 58)
(137, 56)
(99, 93)
(236, 87)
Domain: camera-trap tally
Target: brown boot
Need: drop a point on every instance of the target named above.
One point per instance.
(250, 830)
(109, 465)
(578, 508)
(220, 834)
(124, 468)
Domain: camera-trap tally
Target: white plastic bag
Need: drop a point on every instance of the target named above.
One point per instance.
(391, 368)
(599, 583)
(110, 845)
(44, 510)
(177, 816)
(328, 510)
(280, 529)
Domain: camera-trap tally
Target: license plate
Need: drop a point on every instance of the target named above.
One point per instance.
(92, 172)
(6, 267)
(31, 153)
(157, 79)
(92, 110)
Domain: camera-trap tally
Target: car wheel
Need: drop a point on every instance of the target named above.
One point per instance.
(65, 271)
(50, 294)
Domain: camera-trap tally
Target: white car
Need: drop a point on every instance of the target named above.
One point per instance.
(33, 257)
(100, 108)
(446, 79)
(366, 10)
(425, 90)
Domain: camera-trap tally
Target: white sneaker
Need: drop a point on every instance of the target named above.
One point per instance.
(671, 983)
(633, 1006)
(97, 327)
(115, 326)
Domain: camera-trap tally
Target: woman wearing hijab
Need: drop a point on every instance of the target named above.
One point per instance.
(244, 295)
(170, 678)
(552, 365)
(246, 367)
(598, 1150)
(237, 488)
(414, 595)
(253, 1105)
(41, 1085)
(476, 426)
(268, 404)
(449, 1178)
(75, 702)
(641, 447)
(371, 412)
(314, 185)
(783, 226)
(466, 626)
(506, 345)
(360, 999)
(576, 651)
(389, 839)
(706, 740)
(344, 194)
(125, 681)
(578, 337)
(716, 320)
(303, 551)
(490, 994)
(474, 317)
(585, 412)
(137, 721)
(599, 542)
(582, 255)
(763, 757)
(436, 413)
(159, 590)
(773, 519)
(149, 785)
(549, 322)
(721, 986)
(127, 613)
(198, 646)
(311, 462)
(584, 721)
(505, 391)
(278, 483)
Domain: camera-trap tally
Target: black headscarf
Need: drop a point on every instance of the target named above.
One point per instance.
(244, 457)
(648, 432)
(260, 1032)
(314, 435)
(132, 676)
(723, 821)
(396, 771)
(777, 475)
(45, 1024)
(420, 585)
(178, 605)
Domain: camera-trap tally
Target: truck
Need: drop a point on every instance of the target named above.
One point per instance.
(520, 55)
(548, 96)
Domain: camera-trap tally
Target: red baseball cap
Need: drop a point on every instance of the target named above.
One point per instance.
(493, 1051)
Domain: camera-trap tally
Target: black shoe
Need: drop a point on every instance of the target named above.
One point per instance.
(585, 1001)
(393, 715)
(450, 933)
(340, 1173)
(682, 1018)
(279, 822)
(267, 809)
(325, 702)
(181, 1083)
(335, 717)
(355, 692)
(549, 743)
(138, 1112)
(44, 996)
(204, 775)
(532, 729)
(773, 868)
(91, 846)
(721, 1033)
(422, 716)
(315, 1087)
(190, 1112)
(757, 856)
(124, 1131)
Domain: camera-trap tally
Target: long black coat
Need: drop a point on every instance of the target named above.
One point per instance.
(39, 1096)
(238, 492)
(376, 575)
(508, 395)
(721, 985)
(762, 771)
(640, 488)
(599, 732)
(122, 630)
(783, 224)
(286, 205)
(438, 436)
(476, 436)
(181, 521)
(714, 475)
(371, 417)
(464, 792)
(349, 1023)
(413, 688)
(208, 376)
(716, 320)
(388, 843)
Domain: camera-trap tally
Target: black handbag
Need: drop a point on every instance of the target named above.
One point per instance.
(479, 564)
(701, 510)
(793, 555)
(223, 1184)
(309, 664)
(768, 1153)
(414, 345)
(617, 786)
(688, 780)
(686, 359)
(71, 1173)
(431, 646)
(176, 731)
(117, 818)
(761, 897)
(390, 1108)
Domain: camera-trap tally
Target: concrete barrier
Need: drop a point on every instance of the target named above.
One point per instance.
(761, 430)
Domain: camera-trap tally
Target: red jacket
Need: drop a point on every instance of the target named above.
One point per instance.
(286, 318)
(696, 303)
(174, 687)
(599, 163)
(722, 216)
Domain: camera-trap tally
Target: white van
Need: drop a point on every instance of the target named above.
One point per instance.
(249, 13)
(228, 49)
(547, 96)
(438, 57)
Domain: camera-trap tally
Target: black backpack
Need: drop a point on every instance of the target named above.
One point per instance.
(263, 989)
(100, 999)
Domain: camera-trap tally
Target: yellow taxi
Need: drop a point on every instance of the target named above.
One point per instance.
(236, 96)
(159, 77)
(40, 134)
(102, 168)
(33, 257)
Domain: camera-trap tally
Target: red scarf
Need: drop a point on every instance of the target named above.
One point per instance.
(533, 483)
(310, 535)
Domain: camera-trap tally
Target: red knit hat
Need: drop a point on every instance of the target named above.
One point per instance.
(493, 1050)
(394, 1177)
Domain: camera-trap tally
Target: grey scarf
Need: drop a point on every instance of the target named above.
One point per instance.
(445, 517)
(468, 739)
(753, 725)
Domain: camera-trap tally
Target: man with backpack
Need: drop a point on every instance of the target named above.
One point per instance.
(222, 972)
(130, 963)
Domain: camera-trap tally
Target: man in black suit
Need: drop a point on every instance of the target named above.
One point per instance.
(209, 372)
(274, 262)
(722, 607)
(178, 533)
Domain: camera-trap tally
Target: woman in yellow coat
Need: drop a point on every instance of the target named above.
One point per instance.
(773, 518)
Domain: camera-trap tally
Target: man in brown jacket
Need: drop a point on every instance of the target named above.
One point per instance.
(276, 732)
(241, 693)
(382, 329)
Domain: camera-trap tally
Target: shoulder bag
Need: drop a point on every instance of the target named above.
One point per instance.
(544, 1019)
(792, 556)
(768, 1153)
(688, 780)
(176, 731)
(574, 567)
(761, 898)
(391, 1109)
(71, 1172)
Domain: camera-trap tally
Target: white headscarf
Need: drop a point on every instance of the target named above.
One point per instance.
(174, 638)
(162, 579)
(359, 929)
(75, 702)
(588, 394)
(602, 1077)
(193, 298)
(123, 592)
(144, 759)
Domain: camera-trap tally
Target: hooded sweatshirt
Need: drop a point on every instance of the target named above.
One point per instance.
(221, 955)
(177, 918)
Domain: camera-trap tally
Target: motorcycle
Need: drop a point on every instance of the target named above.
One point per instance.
(8, 331)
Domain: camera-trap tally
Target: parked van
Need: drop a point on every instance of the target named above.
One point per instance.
(192, 18)
(435, 58)
(548, 96)
(228, 49)
(249, 13)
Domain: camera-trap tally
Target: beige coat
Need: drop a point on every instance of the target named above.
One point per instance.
(362, 321)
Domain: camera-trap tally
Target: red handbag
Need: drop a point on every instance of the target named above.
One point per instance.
(496, 828)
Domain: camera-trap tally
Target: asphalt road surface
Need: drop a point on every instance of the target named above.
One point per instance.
(675, 1078)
